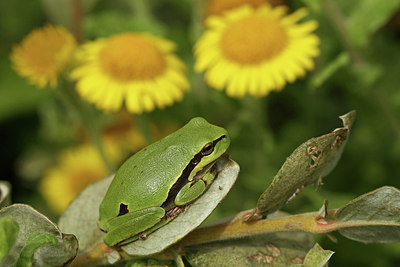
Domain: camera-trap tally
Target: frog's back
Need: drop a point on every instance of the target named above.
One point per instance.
(145, 178)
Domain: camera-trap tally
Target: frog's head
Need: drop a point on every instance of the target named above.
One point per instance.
(211, 142)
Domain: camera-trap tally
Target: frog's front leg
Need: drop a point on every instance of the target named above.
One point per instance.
(130, 224)
(190, 192)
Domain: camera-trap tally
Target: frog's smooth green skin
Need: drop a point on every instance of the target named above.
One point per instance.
(154, 185)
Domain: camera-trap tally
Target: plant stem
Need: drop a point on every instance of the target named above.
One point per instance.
(77, 18)
(87, 117)
(95, 134)
(338, 23)
(234, 228)
(141, 8)
(142, 123)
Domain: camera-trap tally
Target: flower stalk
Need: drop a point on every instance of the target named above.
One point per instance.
(87, 117)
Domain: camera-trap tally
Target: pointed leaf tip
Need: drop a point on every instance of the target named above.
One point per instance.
(317, 257)
(31, 222)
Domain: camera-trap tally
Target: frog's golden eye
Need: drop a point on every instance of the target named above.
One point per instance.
(207, 149)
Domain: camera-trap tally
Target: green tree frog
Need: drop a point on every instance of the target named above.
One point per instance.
(154, 185)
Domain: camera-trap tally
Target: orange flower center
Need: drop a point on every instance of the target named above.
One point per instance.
(130, 56)
(46, 51)
(253, 39)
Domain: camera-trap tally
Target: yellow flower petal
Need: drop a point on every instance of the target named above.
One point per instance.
(75, 169)
(127, 69)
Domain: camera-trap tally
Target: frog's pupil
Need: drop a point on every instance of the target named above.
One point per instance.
(207, 149)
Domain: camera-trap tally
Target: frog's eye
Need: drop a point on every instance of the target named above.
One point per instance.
(207, 149)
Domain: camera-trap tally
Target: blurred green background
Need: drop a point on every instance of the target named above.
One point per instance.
(358, 69)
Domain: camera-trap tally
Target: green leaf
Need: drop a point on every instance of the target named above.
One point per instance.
(8, 235)
(321, 77)
(275, 249)
(192, 217)
(5, 196)
(368, 17)
(317, 257)
(35, 241)
(308, 164)
(31, 221)
(373, 217)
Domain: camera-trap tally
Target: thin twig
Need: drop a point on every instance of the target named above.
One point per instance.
(76, 20)
(87, 118)
(338, 23)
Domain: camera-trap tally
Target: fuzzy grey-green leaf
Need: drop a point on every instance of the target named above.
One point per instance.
(308, 164)
(317, 257)
(80, 217)
(8, 235)
(377, 213)
(35, 241)
(274, 249)
(31, 221)
(193, 216)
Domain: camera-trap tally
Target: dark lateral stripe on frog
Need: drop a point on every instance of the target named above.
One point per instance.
(183, 179)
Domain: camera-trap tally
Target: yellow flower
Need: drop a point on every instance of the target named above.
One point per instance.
(139, 70)
(125, 133)
(217, 7)
(43, 54)
(76, 168)
(255, 51)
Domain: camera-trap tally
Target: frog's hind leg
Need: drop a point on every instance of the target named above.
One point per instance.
(130, 224)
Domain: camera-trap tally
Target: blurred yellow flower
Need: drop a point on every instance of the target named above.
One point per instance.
(76, 168)
(125, 133)
(43, 54)
(139, 70)
(255, 51)
(217, 7)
